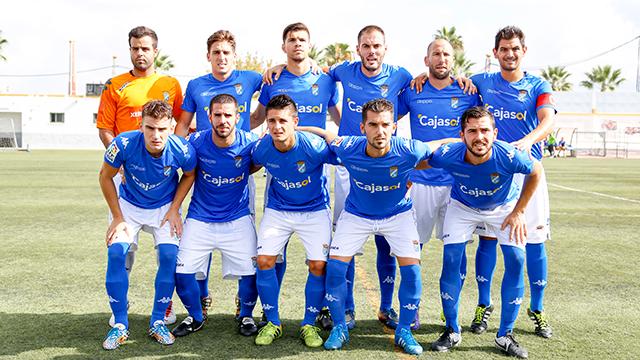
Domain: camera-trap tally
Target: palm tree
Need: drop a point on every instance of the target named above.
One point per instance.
(461, 65)
(336, 53)
(316, 55)
(162, 62)
(558, 77)
(3, 42)
(604, 76)
(252, 62)
(450, 35)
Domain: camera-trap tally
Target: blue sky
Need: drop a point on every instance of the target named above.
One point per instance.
(39, 33)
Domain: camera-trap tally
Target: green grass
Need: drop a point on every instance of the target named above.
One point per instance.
(53, 259)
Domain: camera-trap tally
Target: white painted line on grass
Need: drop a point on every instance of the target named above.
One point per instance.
(596, 193)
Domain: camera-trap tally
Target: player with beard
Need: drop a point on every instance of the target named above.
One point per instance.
(124, 96)
(485, 192)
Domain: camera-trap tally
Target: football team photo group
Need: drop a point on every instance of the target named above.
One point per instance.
(183, 165)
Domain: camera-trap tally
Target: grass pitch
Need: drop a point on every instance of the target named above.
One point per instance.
(53, 260)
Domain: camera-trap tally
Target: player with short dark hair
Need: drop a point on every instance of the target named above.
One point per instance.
(219, 216)
(485, 192)
(150, 160)
(297, 201)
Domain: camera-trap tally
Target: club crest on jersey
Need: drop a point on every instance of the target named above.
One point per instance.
(337, 141)
(522, 95)
(416, 245)
(112, 151)
(167, 170)
(384, 90)
(238, 161)
(239, 89)
(302, 167)
(393, 171)
(454, 102)
(325, 249)
(495, 178)
(315, 89)
(165, 96)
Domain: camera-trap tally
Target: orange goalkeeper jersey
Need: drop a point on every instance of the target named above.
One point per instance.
(124, 96)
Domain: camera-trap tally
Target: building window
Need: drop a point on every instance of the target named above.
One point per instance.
(57, 117)
(95, 117)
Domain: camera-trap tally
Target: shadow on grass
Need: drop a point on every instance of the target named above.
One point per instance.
(58, 335)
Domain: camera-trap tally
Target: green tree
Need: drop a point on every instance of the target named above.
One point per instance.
(316, 55)
(603, 76)
(3, 42)
(337, 53)
(558, 77)
(252, 62)
(461, 65)
(450, 35)
(162, 62)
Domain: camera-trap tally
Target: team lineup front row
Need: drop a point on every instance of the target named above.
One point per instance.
(467, 168)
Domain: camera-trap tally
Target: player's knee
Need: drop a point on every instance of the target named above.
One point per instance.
(317, 268)
(167, 254)
(265, 262)
(117, 253)
(513, 258)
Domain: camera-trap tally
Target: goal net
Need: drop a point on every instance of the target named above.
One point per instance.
(8, 139)
(589, 143)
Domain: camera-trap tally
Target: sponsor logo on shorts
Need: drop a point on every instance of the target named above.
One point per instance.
(325, 249)
(112, 151)
(254, 259)
(516, 301)
(444, 236)
(335, 247)
(416, 245)
(179, 264)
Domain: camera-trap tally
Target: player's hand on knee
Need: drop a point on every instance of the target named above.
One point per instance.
(117, 228)
(516, 223)
(174, 219)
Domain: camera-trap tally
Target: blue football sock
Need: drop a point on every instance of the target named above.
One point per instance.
(463, 267)
(189, 293)
(409, 294)
(450, 284)
(485, 265)
(336, 289)
(537, 271)
(248, 294)
(281, 268)
(203, 284)
(349, 303)
(117, 282)
(314, 297)
(512, 287)
(165, 280)
(386, 266)
(268, 289)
